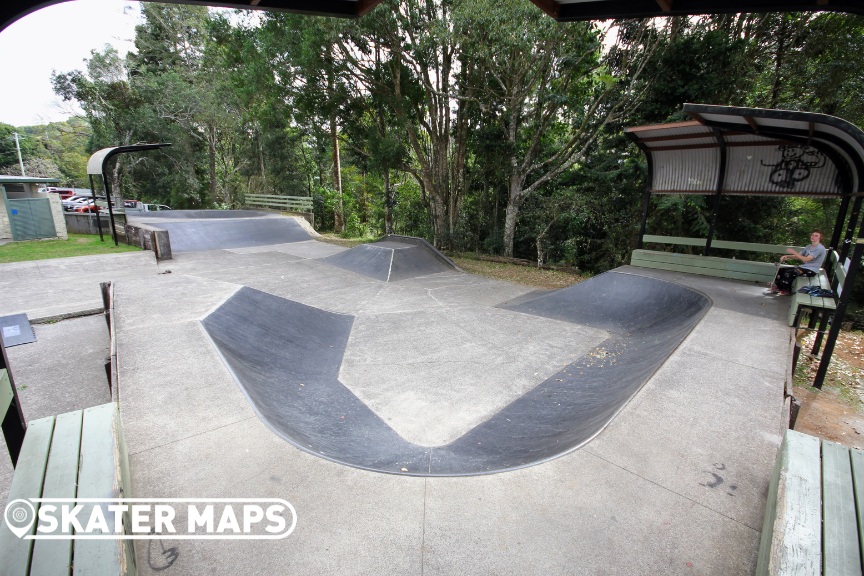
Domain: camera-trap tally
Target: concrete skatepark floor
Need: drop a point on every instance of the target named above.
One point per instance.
(676, 484)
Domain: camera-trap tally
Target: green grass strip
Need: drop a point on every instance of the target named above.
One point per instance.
(76, 245)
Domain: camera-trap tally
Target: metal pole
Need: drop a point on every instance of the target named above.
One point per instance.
(110, 209)
(646, 202)
(851, 225)
(98, 221)
(18, 147)
(839, 313)
(721, 182)
(14, 426)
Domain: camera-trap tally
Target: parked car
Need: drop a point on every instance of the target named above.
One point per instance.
(73, 202)
(136, 206)
(64, 193)
(88, 206)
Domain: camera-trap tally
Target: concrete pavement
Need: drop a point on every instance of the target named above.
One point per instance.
(676, 484)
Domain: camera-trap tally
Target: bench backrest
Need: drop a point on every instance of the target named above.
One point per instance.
(721, 244)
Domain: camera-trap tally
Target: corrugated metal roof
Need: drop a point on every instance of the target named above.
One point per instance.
(767, 152)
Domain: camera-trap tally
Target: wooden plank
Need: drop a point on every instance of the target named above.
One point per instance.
(99, 477)
(26, 483)
(705, 265)
(54, 557)
(751, 247)
(675, 240)
(842, 555)
(722, 244)
(792, 528)
(6, 394)
(856, 457)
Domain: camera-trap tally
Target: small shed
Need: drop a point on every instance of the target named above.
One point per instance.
(27, 214)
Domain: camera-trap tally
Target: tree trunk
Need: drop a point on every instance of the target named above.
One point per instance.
(511, 214)
(338, 209)
(211, 151)
(388, 203)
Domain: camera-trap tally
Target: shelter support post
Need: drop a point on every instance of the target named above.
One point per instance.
(721, 182)
(839, 313)
(841, 245)
(110, 209)
(98, 220)
(646, 203)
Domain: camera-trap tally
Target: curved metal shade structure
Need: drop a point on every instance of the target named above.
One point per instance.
(97, 164)
(753, 151)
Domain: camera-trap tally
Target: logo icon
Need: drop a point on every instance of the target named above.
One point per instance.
(20, 516)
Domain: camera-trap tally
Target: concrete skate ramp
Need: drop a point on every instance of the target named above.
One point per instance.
(199, 214)
(286, 357)
(212, 232)
(393, 258)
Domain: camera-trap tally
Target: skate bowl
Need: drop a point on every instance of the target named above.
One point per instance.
(286, 358)
(198, 230)
(393, 258)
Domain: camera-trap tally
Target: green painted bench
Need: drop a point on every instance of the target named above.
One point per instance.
(79, 454)
(813, 518)
(802, 301)
(731, 268)
(748, 270)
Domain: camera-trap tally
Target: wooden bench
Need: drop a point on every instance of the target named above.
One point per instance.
(762, 272)
(801, 301)
(79, 454)
(732, 268)
(813, 518)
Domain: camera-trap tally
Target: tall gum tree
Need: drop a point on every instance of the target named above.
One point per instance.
(424, 79)
(550, 87)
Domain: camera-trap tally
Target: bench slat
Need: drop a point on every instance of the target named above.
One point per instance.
(53, 557)
(857, 459)
(793, 518)
(705, 265)
(722, 244)
(99, 477)
(26, 483)
(840, 540)
(6, 394)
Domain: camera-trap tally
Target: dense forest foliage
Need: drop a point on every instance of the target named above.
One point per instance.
(479, 125)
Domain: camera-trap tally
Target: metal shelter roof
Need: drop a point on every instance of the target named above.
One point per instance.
(752, 151)
(561, 10)
(96, 163)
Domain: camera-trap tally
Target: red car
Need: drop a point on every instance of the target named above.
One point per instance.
(88, 206)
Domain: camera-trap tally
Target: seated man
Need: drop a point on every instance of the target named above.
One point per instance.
(811, 258)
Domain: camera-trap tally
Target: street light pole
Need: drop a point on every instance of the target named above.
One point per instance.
(18, 147)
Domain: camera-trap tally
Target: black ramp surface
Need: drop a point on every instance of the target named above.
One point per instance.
(286, 356)
(390, 260)
(199, 214)
(221, 233)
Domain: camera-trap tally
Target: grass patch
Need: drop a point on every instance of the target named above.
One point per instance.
(76, 245)
(339, 240)
(526, 275)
